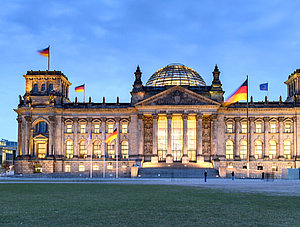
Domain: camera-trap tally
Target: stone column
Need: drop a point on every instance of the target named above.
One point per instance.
(59, 135)
(297, 131)
(51, 134)
(266, 137)
(221, 137)
(169, 158)
(199, 139)
(103, 136)
(75, 138)
(118, 137)
(19, 148)
(251, 137)
(236, 138)
(90, 140)
(154, 158)
(27, 135)
(30, 141)
(214, 136)
(280, 138)
(140, 136)
(185, 157)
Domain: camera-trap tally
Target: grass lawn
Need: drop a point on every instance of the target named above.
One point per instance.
(140, 205)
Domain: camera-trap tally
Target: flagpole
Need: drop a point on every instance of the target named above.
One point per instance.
(267, 90)
(84, 93)
(248, 154)
(91, 149)
(49, 58)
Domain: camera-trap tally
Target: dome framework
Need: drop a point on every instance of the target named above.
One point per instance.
(175, 74)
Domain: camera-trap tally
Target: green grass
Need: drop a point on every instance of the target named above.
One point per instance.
(140, 205)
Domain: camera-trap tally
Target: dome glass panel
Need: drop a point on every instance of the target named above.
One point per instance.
(175, 74)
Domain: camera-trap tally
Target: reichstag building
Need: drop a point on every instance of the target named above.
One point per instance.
(176, 118)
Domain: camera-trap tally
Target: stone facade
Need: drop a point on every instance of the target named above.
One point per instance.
(171, 123)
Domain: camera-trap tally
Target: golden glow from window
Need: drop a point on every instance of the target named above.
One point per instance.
(110, 128)
(42, 149)
(69, 128)
(124, 149)
(243, 149)
(273, 127)
(287, 149)
(244, 127)
(191, 137)
(229, 127)
(162, 136)
(111, 150)
(177, 137)
(95, 167)
(124, 128)
(67, 168)
(96, 128)
(258, 149)
(287, 127)
(97, 149)
(273, 149)
(258, 127)
(82, 149)
(82, 128)
(81, 168)
(229, 149)
(69, 149)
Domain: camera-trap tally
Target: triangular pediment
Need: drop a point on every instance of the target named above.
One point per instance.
(177, 95)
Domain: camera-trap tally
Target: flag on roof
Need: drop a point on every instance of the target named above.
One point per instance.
(44, 52)
(239, 95)
(79, 88)
(111, 136)
(264, 87)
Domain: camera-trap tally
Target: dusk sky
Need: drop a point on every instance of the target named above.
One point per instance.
(100, 43)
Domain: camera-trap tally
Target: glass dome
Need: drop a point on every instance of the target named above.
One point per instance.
(175, 74)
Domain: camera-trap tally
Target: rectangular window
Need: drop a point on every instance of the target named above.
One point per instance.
(273, 127)
(69, 128)
(82, 128)
(287, 128)
(177, 137)
(229, 128)
(67, 168)
(258, 128)
(244, 127)
(162, 134)
(110, 128)
(96, 128)
(124, 128)
(191, 137)
(81, 168)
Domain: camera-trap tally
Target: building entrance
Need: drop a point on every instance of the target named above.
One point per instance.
(177, 155)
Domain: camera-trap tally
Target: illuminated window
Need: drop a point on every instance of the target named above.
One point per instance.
(69, 128)
(273, 149)
(42, 149)
(97, 149)
(258, 127)
(82, 149)
(177, 137)
(124, 149)
(35, 88)
(67, 168)
(287, 149)
(124, 128)
(81, 168)
(273, 127)
(43, 87)
(69, 149)
(229, 127)
(244, 127)
(41, 128)
(95, 168)
(287, 127)
(191, 137)
(229, 149)
(111, 150)
(243, 149)
(83, 128)
(50, 87)
(162, 136)
(258, 149)
(110, 128)
(96, 128)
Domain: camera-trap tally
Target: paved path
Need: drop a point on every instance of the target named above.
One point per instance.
(276, 187)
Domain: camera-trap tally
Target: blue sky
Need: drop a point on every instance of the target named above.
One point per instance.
(100, 43)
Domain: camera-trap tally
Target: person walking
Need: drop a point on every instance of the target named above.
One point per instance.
(232, 175)
(205, 175)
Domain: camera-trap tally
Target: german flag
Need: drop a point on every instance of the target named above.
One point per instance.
(239, 95)
(111, 137)
(79, 88)
(44, 52)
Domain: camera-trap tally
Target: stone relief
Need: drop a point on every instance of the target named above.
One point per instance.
(206, 135)
(148, 135)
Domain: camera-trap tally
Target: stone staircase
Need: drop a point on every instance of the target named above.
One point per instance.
(175, 170)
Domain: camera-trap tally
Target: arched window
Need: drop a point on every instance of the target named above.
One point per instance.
(229, 149)
(97, 149)
(124, 149)
(273, 149)
(41, 128)
(43, 87)
(35, 88)
(258, 149)
(111, 150)
(243, 149)
(50, 87)
(82, 149)
(69, 149)
(287, 149)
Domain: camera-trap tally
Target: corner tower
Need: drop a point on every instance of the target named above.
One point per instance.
(293, 87)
